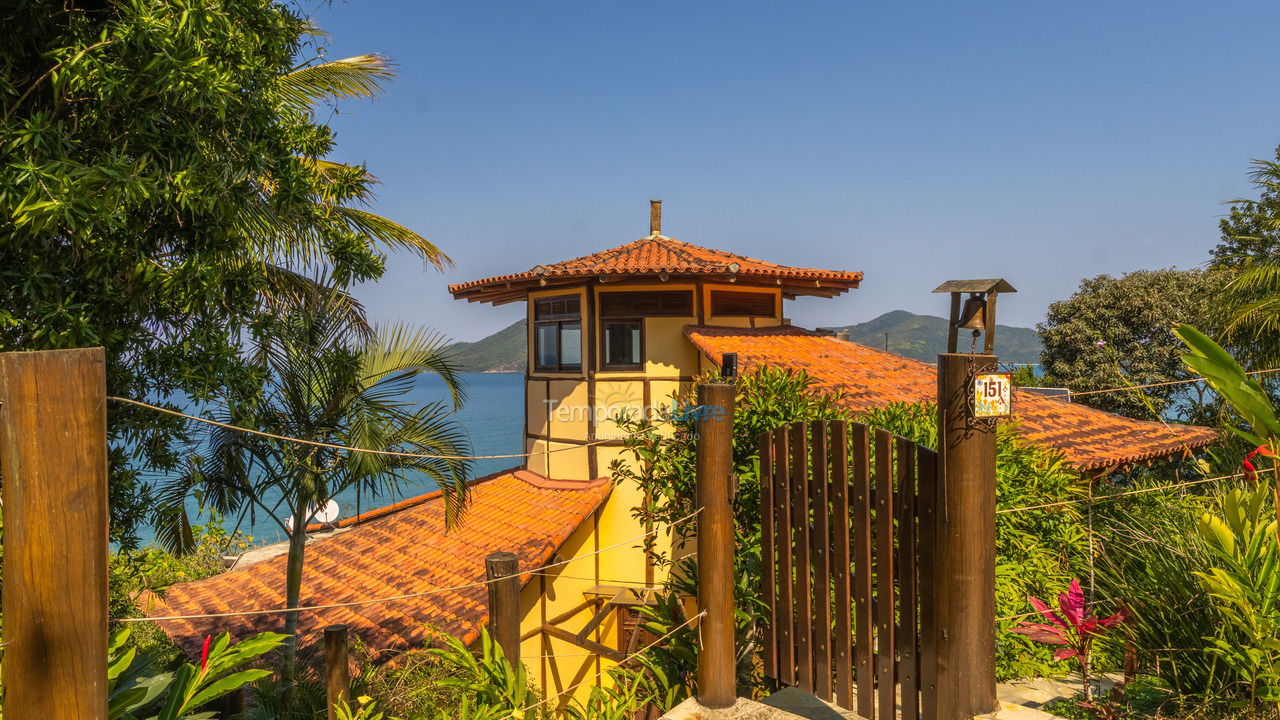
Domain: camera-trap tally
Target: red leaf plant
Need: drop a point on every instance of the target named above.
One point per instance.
(1071, 626)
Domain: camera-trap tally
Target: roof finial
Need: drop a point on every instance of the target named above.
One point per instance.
(655, 218)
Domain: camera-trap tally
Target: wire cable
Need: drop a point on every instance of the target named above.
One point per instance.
(1139, 491)
(407, 596)
(348, 448)
(1070, 393)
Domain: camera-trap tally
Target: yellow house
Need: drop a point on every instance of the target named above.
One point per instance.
(619, 330)
(606, 335)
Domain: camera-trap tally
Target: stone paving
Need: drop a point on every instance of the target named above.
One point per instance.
(1019, 700)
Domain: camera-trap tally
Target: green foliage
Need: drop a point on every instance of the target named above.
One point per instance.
(133, 694)
(1116, 332)
(325, 384)
(1036, 551)
(1250, 251)
(162, 182)
(1244, 585)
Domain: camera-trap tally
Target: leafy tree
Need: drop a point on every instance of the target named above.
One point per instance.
(1117, 332)
(162, 181)
(1252, 229)
(1250, 249)
(325, 384)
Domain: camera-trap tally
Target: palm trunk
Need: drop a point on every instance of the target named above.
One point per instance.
(293, 593)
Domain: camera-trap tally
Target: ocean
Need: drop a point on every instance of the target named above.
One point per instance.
(493, 418)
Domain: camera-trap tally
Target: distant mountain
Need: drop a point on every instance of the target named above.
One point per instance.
(916, 336)
(924, 336)
(503, 351)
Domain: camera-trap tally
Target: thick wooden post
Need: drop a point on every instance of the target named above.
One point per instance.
(964, 583)
(502, 570)
(53, 459)
(337, 676)
(717, 686)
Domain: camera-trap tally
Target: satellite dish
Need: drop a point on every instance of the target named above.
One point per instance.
(322, 516)
(329, 513)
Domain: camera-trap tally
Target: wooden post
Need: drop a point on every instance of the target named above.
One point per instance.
(717, 686)
(53, 458)
(964, 582)
(337, 676)
(502, 571)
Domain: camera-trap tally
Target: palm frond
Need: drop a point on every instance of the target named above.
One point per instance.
(398, 351)
(392, 235)
(361, 76)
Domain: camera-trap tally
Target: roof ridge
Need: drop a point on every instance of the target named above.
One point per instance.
(384, 511)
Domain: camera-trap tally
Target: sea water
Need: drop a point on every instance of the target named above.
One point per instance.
(492, 418)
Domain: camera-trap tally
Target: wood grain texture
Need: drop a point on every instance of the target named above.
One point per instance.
(863, 618)
(820, 552)
(717, 681)
(908, 671)
(841, 565)
(803, 596)
(53, 458)
(337, 679)
(782, 499)
(885, 596)
(965, 591)
(768, 583)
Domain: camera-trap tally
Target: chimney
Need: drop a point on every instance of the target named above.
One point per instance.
(655, 217)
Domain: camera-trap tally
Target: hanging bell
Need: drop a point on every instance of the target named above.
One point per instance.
(973, 315)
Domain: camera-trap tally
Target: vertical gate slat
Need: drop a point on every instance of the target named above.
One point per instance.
(842, 637)
(803, 598)
(885, 655)
(863, 621)
(908, 678)
(767, 581)
(927, 472)
(820, 547)
(786, 655)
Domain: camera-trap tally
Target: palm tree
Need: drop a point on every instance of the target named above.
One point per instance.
(294, 240)
(324, 383)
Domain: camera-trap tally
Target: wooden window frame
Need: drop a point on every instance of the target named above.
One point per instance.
(604, 346)
(773, 300)
(558, 320)
(629, 311)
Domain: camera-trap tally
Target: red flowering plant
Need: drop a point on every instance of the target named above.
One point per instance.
(1071, 626)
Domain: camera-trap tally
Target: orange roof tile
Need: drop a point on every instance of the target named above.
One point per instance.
(661, 255)
(1089, 438)
(398, 553)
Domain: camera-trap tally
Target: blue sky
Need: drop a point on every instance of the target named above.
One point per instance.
(916, 142)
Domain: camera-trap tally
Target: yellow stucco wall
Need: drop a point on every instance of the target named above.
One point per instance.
(555, 433)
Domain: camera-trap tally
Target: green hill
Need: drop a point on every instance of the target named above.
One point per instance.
(924, 336)
(916, 336)
(502, 351)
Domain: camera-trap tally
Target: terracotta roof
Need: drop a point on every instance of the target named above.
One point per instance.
(1090, 438)
(397, 553)
(661, 255)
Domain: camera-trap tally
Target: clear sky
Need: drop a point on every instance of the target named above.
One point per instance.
(916, 142)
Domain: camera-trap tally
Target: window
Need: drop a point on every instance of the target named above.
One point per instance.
(557, 334)
(667, 303)
(743, 304)
(623, 344)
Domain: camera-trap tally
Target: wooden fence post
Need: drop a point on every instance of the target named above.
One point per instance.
(337, 676)
(53, 458)
(502, 571)
(717, 676)
(964, 610)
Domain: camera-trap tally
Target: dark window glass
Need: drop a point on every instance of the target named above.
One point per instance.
(666, 303)
(557, 333)
(743, 304)
(623, 348)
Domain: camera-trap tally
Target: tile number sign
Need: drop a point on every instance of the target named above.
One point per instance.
(992, 395)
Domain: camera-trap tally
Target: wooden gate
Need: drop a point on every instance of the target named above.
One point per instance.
(847, 525)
